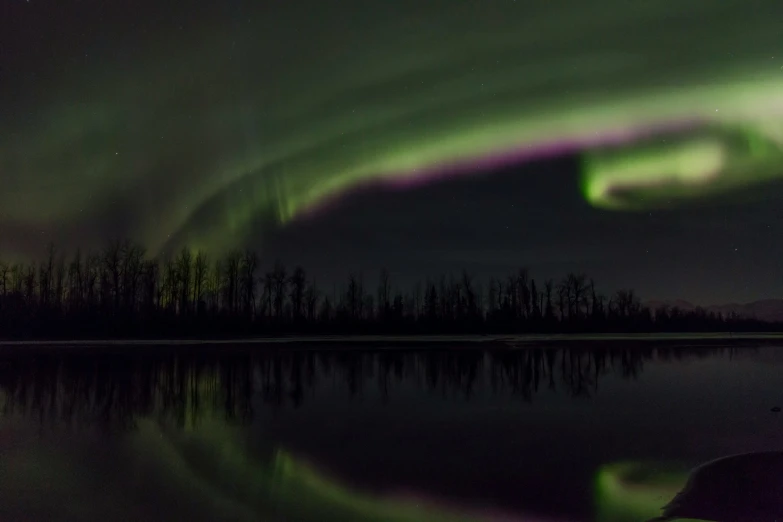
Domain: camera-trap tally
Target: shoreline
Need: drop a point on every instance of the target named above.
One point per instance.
(412, 341)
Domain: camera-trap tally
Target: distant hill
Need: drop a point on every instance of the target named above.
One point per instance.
(764, 310)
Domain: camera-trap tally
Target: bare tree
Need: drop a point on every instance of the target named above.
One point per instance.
(534, 299)
(578, 292)
(563, 299)
(233, 262)
(170, 287)
(132, 264)
(625, 304)
(384, 294)
(279, 282)
(523, 286)
(492, 298)
(184, 272)
(512, 298)
(29, 284)
(268, 293)
(92, 271)
(311, 298)
(111, 266)
(216, 286)
(76, 282)
(46, 276)
(4, 271)
(249, 267)
(150, 283)
(59, 283)
(549, 309)
(431, 299)
(354, 297)
(471, 301)
(200, 268)
(297, 283)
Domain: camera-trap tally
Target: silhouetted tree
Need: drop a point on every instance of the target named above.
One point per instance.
(248, 281)
(384, 295)
(297, 283)
(534, 298)
(216, 280)
(311, 301)
(119, 290)
(232, 276)
(279, 282)
(200, 268)
(4, 271)
(110, 279)
(354, 297)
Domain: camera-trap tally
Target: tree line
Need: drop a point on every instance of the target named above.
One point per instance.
(118, 291)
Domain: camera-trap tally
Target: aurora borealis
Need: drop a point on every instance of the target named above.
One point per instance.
(205, 126)
(635, 490)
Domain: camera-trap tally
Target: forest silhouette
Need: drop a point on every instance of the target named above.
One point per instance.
(118, 292)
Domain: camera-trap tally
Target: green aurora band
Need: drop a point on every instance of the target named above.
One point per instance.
(636, 491)
(194, 462)
(201, 136)
(201, 474)
(208, 474)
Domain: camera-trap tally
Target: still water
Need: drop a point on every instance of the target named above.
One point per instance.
(549, 433)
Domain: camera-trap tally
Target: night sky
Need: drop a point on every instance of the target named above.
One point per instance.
(641, 142)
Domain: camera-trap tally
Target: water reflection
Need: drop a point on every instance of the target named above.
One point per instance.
(181, 385)
(179, 441)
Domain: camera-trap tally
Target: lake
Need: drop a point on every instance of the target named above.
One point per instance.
(602, 431)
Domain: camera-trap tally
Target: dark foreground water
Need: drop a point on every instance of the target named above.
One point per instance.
(574, 432)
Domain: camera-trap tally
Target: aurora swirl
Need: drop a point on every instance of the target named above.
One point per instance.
(200, 129)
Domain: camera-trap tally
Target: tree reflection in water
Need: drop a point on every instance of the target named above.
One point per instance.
(181, 402)
(181, 385)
